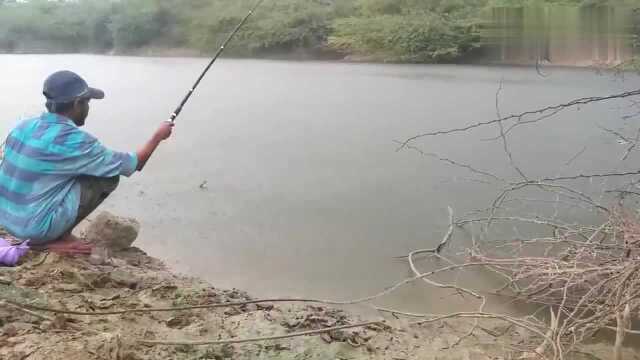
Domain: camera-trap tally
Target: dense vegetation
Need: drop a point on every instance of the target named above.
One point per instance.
(396, 30)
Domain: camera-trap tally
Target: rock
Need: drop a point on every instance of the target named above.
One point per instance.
(338, 335)
(265, 307)
(278, 347)
(227, 351)
(97, 280)
(10, 330)
(73, 288)
(250, 308)
(326, 338)
(99, 256)
(112, 232)
(125, 278)
(179, 322)
(232, 312)
(164, 290)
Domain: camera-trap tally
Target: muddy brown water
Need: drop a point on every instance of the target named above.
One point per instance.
(283, 177)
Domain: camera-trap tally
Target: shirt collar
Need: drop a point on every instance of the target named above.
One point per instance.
(56, 118)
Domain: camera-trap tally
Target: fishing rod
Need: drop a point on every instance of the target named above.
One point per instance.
(178, 110)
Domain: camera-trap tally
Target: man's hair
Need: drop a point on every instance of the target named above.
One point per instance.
(59, 108)
(62, 107)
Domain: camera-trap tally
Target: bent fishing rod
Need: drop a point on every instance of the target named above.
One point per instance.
(178, 110)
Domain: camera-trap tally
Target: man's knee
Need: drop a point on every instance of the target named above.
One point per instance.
(99, 185)
(93, 191)
(111, 184)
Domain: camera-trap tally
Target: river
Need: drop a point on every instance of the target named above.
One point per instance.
(305, 192)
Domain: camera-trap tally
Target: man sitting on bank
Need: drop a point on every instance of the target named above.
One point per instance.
(54, 174)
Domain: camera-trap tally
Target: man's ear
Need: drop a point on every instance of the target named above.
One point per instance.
(77, 103)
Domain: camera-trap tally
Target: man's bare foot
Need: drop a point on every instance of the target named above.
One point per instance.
(69, 245)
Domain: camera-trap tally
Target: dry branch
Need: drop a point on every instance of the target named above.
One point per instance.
(517, 118)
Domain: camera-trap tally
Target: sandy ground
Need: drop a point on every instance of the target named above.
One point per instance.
(134, 280)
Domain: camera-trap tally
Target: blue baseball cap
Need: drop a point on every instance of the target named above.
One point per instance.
(66, 86)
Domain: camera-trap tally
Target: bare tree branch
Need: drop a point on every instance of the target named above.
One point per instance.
(505, 144)
(454, 163)
(584, 176)
(577, 155)
(518, 117)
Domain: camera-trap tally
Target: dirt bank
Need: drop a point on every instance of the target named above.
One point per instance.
(135, 281)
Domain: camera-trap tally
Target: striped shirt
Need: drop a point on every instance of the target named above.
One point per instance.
(39, 189)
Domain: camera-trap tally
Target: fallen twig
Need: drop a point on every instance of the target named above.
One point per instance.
(26, 311)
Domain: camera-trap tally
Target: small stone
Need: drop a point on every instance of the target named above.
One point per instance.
(227, 351)
(291, 323)
(232, 312)
(113, 232)
(115, 262)
(100, 281)
(73, 288)
(326, 338)
(99, 256)
(10, 331)
(59, 322)
(250, 308)
(338, 336)
(178, 322)
(265, 307)
(122, 277)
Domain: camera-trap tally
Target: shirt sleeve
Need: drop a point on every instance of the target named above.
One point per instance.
(87, 156)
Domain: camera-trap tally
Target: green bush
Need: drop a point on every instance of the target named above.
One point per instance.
(279, 25)
(421, 38)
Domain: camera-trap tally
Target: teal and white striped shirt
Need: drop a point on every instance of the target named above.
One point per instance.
(39, 190)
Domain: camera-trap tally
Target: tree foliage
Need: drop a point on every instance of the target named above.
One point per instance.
(393, 30)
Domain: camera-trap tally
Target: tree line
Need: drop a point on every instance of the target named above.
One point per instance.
(384, 30)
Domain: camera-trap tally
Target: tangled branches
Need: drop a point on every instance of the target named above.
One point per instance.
(585, 277)
(588, 285)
